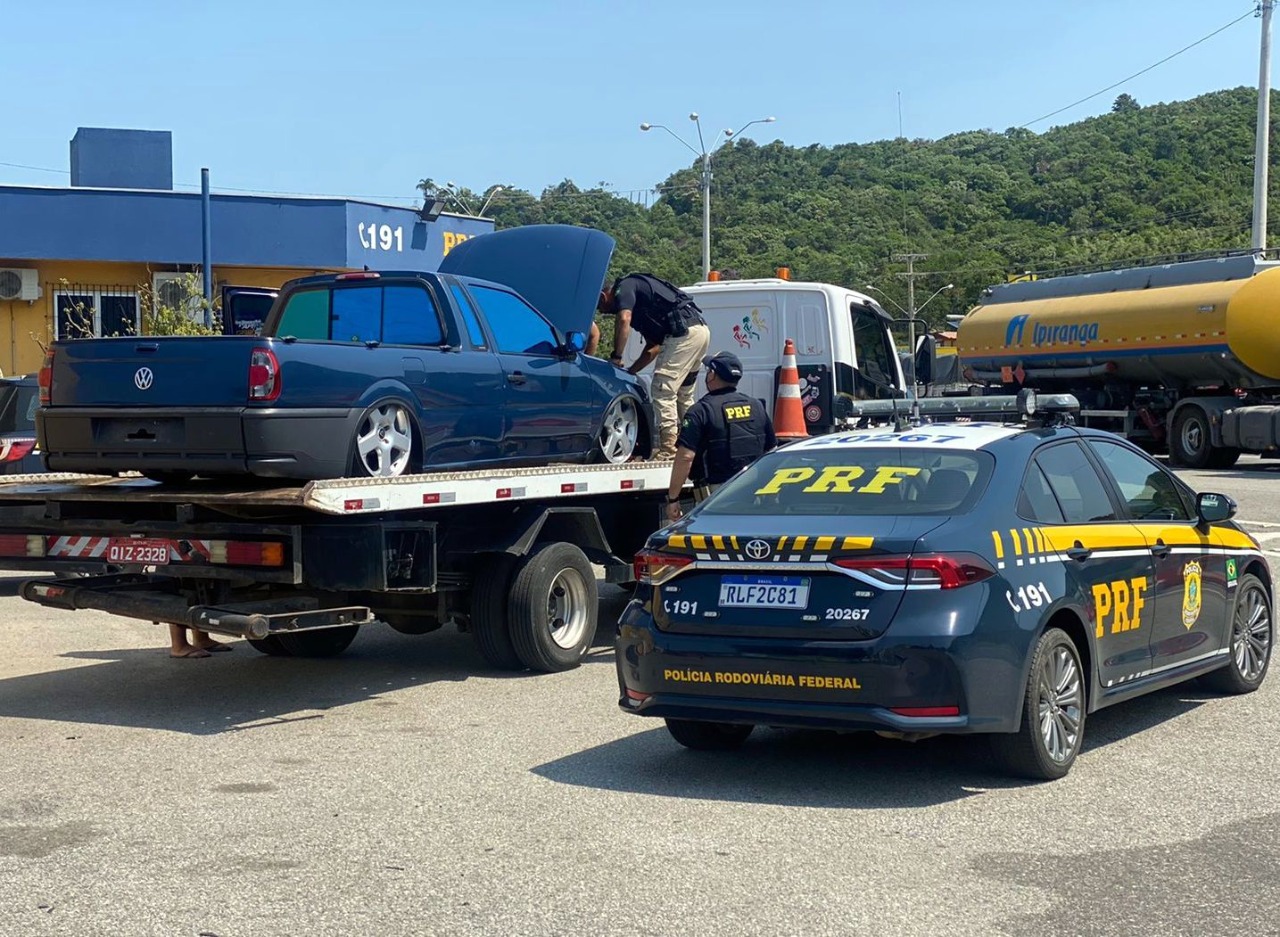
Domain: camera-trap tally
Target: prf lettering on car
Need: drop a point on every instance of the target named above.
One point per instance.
(738, 413)
(1122, 601)
(838, 479)
(452, 240)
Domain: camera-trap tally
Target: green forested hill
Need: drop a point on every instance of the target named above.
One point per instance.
(1133, 183)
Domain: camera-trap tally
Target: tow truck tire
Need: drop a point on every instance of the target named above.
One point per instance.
(552, 607)
(1053, 713)
(269, 645)
(1252, 635)
(324, 642)
(708, 736)
(489, 626)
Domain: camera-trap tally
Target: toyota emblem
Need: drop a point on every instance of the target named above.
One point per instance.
(142, 378)
(757, 549)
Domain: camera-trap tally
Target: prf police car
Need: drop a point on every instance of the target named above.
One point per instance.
(972, 578)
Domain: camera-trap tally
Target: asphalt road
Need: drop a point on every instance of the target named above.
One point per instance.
(402, 789)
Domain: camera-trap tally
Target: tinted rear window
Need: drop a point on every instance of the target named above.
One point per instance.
(18, 404)
(856, 481)
(392, 315)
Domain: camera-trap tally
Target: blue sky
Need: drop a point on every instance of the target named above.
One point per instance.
(364, 99)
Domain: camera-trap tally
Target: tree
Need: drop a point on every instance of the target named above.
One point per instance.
(1125, 103)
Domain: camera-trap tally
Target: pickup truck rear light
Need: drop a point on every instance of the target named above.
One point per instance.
(11, 450)
(359, 275)
(45, 378)
(264, 375)
(939, 570)
(12, 545)
(652, 567)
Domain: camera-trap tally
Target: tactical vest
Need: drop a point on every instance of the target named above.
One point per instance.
(735, 436)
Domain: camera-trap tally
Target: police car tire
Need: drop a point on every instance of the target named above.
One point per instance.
(323, 642)
(1023, 753)
(1229, 679)
(528, 612)
(489, 628)
(708, 736)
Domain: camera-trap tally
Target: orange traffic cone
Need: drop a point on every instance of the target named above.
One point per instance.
(788, 413)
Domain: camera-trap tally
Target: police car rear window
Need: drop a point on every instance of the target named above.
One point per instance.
(856, 481)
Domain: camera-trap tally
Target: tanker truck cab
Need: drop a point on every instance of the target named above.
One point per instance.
(844, 346)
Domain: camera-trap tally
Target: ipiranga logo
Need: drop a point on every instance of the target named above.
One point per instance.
(1077, 333)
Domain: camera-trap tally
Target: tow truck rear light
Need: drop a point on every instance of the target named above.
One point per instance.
(45, 379)
(246, 553)
(264, 375)
(653, 567)
(17, 545)
(940, 570)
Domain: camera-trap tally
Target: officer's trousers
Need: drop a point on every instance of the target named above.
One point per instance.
(678, 358)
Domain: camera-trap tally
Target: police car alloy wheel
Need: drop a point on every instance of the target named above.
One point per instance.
(1053, 714)
(1252, 635)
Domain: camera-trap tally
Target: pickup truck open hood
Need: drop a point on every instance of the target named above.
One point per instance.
(558, 268)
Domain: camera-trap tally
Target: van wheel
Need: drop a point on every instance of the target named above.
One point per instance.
(1252, 634)
(708, 736)
(383, 446)
(552, 608)
(324, 642)
(1053, 713)
(489, 625)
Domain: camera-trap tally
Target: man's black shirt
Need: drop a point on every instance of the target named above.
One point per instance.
(658, 309)
(726, 430)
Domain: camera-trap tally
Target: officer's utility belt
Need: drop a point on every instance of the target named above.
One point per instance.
(703, 492)
(681, 317)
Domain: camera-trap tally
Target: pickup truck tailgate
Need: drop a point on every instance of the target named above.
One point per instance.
(179, 371)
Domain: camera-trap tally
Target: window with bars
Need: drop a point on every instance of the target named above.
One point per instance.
(82, 311)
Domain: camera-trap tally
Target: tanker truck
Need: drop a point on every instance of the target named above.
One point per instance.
(1182, 357)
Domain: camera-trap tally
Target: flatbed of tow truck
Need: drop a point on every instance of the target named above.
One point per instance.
(295, 569)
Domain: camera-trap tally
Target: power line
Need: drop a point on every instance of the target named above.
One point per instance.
(1122, 81)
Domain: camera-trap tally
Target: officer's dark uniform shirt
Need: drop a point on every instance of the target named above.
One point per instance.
(726, 430)
(658, 309)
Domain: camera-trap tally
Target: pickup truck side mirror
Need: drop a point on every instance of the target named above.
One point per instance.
(926, 359)
(574, 343)
(1212, 508)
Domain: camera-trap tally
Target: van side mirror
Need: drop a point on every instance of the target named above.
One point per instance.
(574, 343)
(926, 359)
(1213, 508)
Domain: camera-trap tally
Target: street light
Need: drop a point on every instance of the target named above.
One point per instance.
(949, 286)
(884, 295)
(705, 154)
(452, 189)
(492, 192)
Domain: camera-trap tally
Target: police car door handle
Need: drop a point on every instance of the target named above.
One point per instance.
(1079, 552)
(1160, 548)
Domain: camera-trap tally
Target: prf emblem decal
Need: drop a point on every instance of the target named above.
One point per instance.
(1190, 593)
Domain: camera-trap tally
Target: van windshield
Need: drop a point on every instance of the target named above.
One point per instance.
(850, 481)
(876, 375)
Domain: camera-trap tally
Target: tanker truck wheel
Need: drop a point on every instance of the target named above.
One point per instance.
(1190, 442)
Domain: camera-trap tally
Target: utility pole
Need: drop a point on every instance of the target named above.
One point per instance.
(910, 276)
(1261, 146)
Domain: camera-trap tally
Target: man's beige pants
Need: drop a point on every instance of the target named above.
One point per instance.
(677, 359)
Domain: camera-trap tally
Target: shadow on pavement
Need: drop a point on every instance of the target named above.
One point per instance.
(861, 770)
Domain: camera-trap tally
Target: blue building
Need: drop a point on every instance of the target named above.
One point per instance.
(84, 258)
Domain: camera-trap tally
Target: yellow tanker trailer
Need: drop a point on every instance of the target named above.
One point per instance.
(1185, 355)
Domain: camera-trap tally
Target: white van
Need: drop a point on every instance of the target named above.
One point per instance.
(844, 347)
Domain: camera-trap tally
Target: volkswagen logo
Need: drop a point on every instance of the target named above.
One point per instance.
(757, 549)
(142, 378)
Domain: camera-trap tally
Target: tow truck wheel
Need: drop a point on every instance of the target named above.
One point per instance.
(324, 642)
(1053, 712)
(708, 736)
(489, 627)
(1252, 634)
(269, 645)
(552, 607)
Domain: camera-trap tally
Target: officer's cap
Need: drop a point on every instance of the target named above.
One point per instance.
(726, 365)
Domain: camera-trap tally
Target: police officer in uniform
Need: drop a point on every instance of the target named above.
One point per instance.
(721, 433)
(675, 334)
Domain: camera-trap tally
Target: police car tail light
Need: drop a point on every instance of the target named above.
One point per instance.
(264, 375)
(653, 567)
(939, 570)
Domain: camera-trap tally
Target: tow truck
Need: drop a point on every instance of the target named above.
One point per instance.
(507, 555)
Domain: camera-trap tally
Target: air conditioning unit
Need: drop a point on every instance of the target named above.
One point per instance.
(170, 290)
(19, 283)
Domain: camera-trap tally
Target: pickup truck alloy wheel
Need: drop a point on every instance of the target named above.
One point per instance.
(552, 607)
(1053, 713)
(1252, 633)
(384, 440)
(620, 430)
